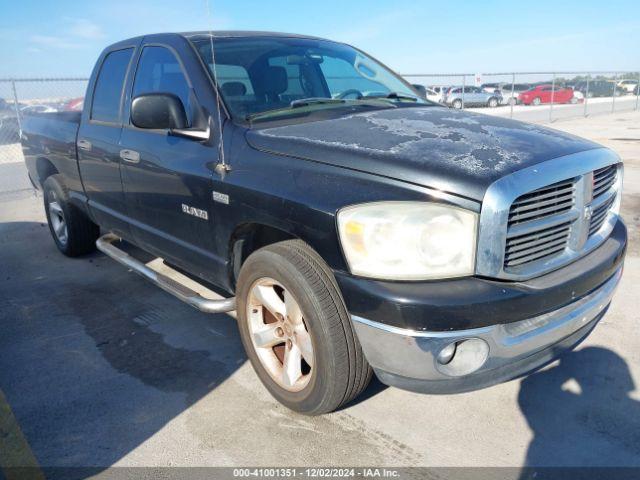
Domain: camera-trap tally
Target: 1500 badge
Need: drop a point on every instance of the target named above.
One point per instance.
(196, 212)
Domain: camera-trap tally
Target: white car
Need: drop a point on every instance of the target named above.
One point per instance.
(629, 85)
(510, 96)
(37, 109)
(440, 91)
(433, 95)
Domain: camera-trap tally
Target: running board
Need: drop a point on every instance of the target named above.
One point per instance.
(184, 293)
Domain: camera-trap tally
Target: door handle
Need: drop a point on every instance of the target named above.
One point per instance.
(84, 145)
(130, 156)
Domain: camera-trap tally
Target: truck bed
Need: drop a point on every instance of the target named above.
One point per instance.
(49, 140)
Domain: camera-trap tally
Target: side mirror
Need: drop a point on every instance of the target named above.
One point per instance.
(420, 89)
(158, 111)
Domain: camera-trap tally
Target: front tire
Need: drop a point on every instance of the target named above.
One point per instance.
(536, 101)
(296, 329)
(493, 102)
(73, 233)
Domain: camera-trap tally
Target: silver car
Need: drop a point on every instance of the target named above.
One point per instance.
(472, 97)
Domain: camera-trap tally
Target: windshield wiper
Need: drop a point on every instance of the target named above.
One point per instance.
(393, 96)
(303, 102)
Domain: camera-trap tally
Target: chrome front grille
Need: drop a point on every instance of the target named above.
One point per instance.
(600, 215)
(542, 240)
(603, 180)
(543, 217)
(536, 245)
(544, 202)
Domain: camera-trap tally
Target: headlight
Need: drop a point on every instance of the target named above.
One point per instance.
(408, 240)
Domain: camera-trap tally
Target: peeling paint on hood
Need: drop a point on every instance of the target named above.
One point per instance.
(454, 151)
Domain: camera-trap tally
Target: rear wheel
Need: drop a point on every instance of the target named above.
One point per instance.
(296, 330)
(536, 101)
(73, 233)
(457, 104)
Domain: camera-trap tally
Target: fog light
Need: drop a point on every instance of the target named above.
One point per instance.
(464, 357)
(446, 354)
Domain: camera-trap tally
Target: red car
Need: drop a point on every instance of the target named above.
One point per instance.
(74, 105)
(543, 94)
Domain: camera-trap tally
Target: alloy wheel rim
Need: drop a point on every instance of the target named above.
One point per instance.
(279, 334)
(58, 222)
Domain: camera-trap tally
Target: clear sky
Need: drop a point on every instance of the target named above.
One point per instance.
(64, 37)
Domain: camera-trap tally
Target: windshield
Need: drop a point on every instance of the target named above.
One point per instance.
(271, 76)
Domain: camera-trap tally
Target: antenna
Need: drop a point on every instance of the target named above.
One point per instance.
(222, 168)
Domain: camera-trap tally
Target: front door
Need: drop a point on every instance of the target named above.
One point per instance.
(168, 179)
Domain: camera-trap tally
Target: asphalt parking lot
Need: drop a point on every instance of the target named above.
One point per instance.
(100, 368)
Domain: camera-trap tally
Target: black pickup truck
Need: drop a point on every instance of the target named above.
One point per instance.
(354, 226)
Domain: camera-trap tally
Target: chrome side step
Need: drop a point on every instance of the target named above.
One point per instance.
(166, 283)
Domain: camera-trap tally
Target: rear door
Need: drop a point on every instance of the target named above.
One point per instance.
(168, 179)
(98, 139)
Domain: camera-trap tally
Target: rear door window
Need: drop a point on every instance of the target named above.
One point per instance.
(107, 94)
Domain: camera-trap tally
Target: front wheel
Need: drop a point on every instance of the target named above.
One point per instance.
(493, 102)
(296, 330)
(536, 101)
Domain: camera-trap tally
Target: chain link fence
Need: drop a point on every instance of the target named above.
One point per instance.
(540, 97)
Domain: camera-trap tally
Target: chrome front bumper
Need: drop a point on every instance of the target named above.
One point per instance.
(409, 359)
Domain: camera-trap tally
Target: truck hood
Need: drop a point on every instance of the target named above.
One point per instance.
(454, 151)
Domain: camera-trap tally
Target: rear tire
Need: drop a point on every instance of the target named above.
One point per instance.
(536, 101)
(336, 371)
(73, 233)
(457, 104)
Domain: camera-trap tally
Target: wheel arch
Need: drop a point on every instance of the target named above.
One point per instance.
(249, 237)
(45, 168)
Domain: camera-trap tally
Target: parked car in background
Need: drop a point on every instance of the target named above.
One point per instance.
(441, 90)
(545, 94)
(426, 92)
(472, 97)
(74, 105)
(510, 92)
(628, 85)
(491, 87)
(433, 95)
(27, 109)
(578, 96)
(600, 88)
